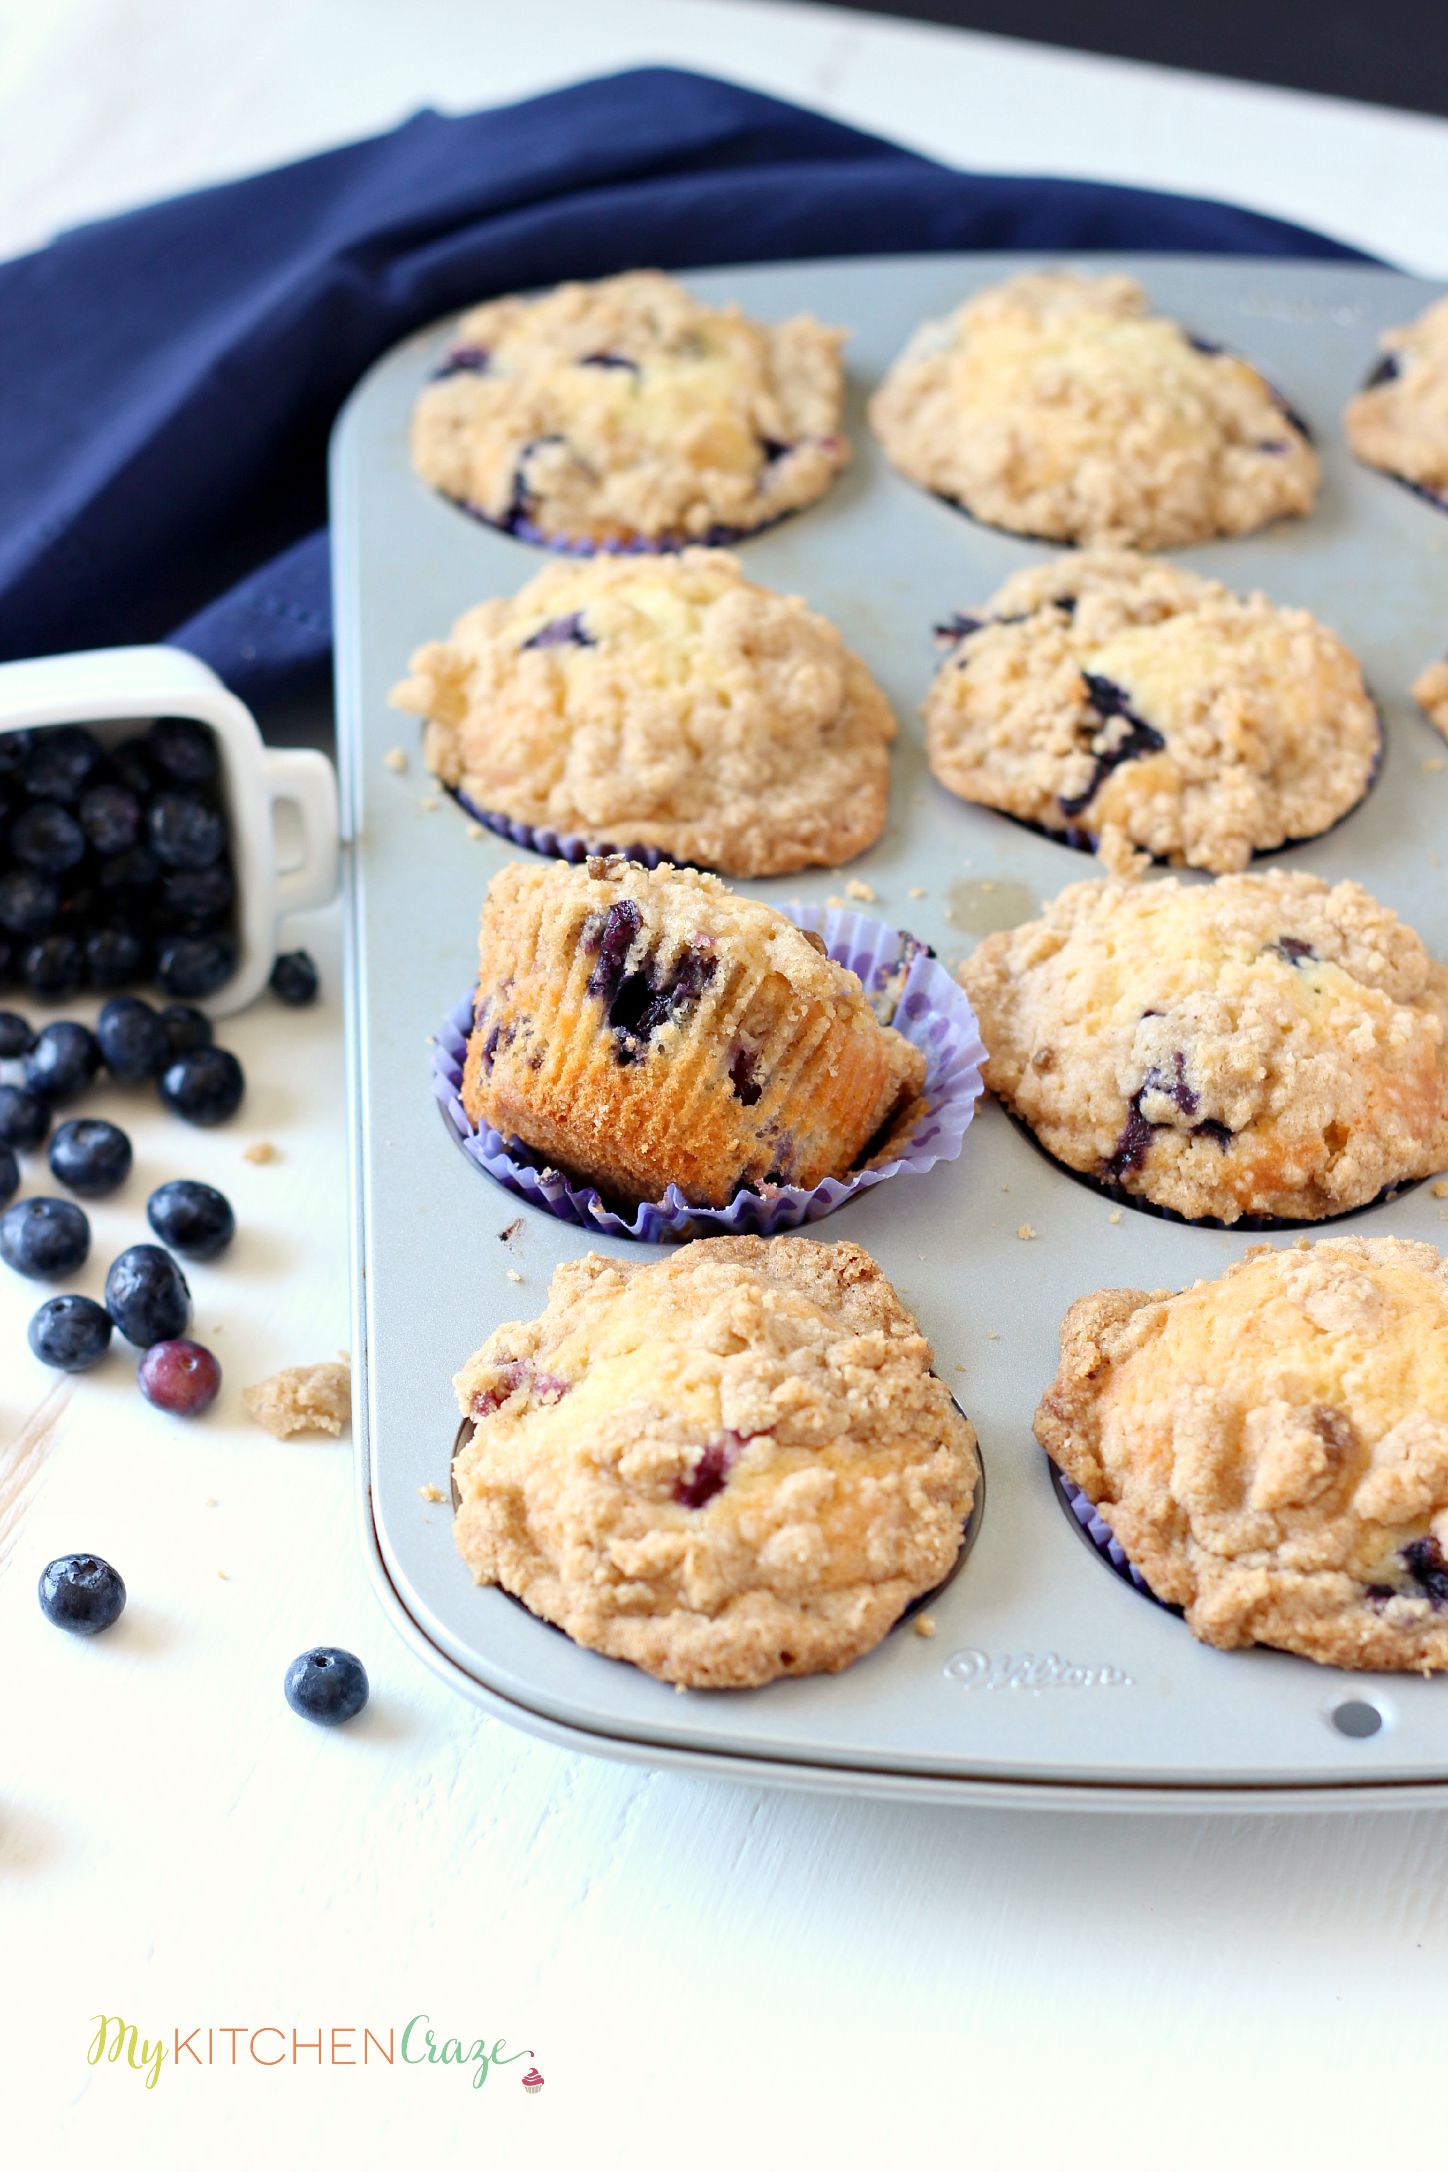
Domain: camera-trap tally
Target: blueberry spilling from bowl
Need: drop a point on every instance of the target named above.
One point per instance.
(115, 861)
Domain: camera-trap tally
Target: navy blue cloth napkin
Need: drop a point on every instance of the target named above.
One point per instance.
(168, 378)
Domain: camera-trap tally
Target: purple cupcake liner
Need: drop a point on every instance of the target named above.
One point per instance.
(523, 530)
(909, 988)
(557, 844)
(1100, 1534)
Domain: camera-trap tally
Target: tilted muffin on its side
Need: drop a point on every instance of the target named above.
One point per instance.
(1399, 421)
(1261, 1045)
(1056, 405)
(725, 1465)
(643, 1029)
(1431, 694)
(624, 414)
(666, 702)
(1122, 704)
(1271, 1449)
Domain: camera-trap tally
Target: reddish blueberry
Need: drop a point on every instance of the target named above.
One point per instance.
(182, 1377)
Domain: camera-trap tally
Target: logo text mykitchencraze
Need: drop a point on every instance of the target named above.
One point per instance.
(118, 2042)
(1029, 1670)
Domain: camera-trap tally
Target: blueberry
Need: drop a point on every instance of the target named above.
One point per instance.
(205, 1087)
(9, 1175)
(133, 1040)
(70, 1333)
(195, 965)
(327, 1685)
(131, 766)
(90, 1157)
(195, 898)
(54, 967)
(294, 978)
(81, 1593)
(183, 831)
(15, 748)
(16, 1036)
(182, 750)
(44, 1238)
(24, 1118)
(110, 816)
(63, 1062)
(28, 902)
(48, 838)
(182, 1377)
(130, 876)
(63, 761)
(192, 1218)
(146, 1295)
(114, 957)
(186, 1029)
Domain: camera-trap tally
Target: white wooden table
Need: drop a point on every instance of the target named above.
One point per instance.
(700, 1970)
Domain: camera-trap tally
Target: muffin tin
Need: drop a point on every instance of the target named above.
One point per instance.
(1049, 1678)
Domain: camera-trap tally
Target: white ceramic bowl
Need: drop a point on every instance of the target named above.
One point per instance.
(113, 690)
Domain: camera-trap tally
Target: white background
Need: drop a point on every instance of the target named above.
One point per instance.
(703, 1972)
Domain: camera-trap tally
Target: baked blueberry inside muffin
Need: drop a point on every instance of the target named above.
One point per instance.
(1399, 421)
(724, 1465)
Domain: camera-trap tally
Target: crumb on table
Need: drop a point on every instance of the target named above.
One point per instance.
(924, 1625)
(261, 1151)
(431, 1492)
(860, 891)
(1025, 1233)
(303, 1399)
(1440, 1189)
(396, 760)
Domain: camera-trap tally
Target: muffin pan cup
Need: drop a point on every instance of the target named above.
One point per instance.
(1049, 1680)
(929, 1008)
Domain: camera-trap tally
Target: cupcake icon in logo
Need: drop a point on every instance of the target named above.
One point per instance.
(532, 2081)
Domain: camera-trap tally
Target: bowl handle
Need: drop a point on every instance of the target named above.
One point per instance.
(307, 780)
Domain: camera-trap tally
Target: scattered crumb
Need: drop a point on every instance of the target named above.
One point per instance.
(985, 888)
(1114, 1215)
(1432, 859)
(916, 889)
(429, 803)
(473, 831)
(225, 1575)
(924, 1625)
(993, 1334)
(836, 904)
(863, 893)
(1302, 1244)
(396, 760)
(431, 1492)
(1434, 762)
(1440, 1189)
(1025, 1233)
(962, 1368)
(513, 1274)
(262, 1151)
(1005, 1187)
(302, 1399)
(506, 1236)
(211, 1501)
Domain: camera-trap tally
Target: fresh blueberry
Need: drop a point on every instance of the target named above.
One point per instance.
(53, 968)
(81, 1593)
(191, 1218)
(186, 1029)
(182, 750)
(9, 1175)
(195, 965)
(114, 957)
(63, 761)
(110, 816)
(63, 1062)
(146, 1295)
(182, 1377)
(205, 1087)
(15, 748)
(45, 1239)
(327, 1685)
(48, 838)
(129, 878)
(196, 898)
(90, 1157)
(70, 1333)
(24, 1118)
(133, 1040)
(131, 765)
(16, 1035)
(294, 978)
(183, 831)
(28, 902)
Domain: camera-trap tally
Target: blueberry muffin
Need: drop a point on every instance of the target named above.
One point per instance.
(1399, 421)
(725, 1465)
(1136, 709)
(1262, 1045)
(1431, 694)
(1058, 406)
(642, 1029)
(1271, 1449)
(623, 414)
(666, 702)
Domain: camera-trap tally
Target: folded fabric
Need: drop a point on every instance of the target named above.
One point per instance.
(169, 377)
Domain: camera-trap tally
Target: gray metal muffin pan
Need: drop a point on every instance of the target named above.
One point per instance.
(1049, 1679)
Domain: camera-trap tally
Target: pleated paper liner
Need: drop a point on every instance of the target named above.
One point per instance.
(1099, 1535)
(910, 990)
